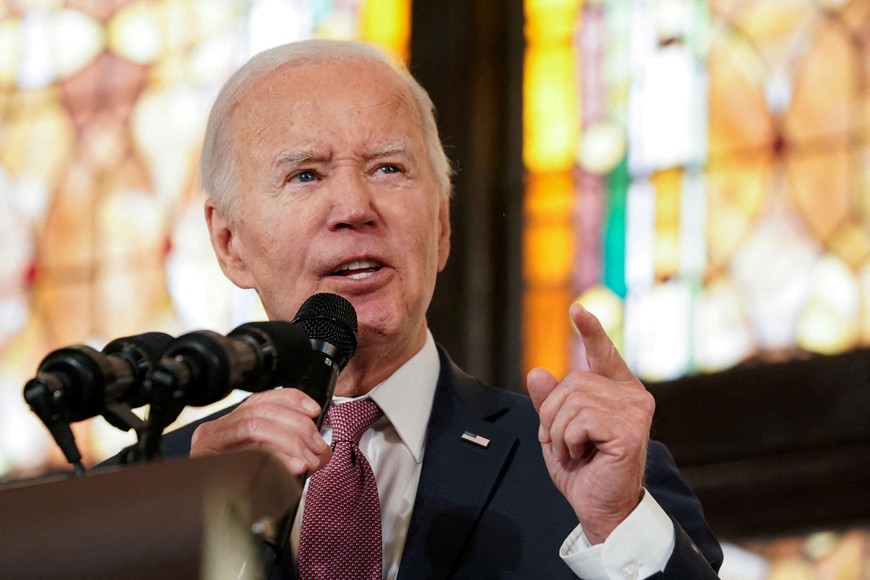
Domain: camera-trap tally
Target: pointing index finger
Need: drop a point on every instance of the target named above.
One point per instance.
(601, 354)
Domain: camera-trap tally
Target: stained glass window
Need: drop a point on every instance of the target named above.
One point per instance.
(843, 555)
(102, 107)
(698, 174)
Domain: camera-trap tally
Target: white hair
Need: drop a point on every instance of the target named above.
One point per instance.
(218, 166)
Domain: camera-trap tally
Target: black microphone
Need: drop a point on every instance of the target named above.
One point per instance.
(203, 367)
(331, 322)
(78, 382)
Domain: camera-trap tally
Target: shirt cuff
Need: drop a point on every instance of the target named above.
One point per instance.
(638, 547)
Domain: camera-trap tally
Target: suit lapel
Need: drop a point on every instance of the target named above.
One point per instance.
(458, 476)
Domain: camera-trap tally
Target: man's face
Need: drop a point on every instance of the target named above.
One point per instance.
(337, 195)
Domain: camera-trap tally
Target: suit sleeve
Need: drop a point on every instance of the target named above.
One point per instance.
(697, 553)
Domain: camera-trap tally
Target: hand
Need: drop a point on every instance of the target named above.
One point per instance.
(594, 431)
(280, 420)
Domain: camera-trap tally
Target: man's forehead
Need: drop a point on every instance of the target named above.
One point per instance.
(301, 88)
(309, 107)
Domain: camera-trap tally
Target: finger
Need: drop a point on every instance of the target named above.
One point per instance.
(302, 459)
(541, 384)
(601, 354)
(270, 422)
(292, 399)
(570, 429)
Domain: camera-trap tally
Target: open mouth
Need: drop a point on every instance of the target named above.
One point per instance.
(358, 269)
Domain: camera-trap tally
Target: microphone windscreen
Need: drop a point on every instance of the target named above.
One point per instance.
(290, 349)
(141, 352)
(332, 319)
(151, 345)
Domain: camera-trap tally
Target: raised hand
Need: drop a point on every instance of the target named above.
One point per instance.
(594, 431)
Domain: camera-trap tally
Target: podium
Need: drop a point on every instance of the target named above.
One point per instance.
(178, 518)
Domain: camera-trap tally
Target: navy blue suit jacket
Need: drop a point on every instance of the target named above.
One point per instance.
(494, 512)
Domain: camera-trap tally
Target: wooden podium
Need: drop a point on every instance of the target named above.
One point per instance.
(180, 518)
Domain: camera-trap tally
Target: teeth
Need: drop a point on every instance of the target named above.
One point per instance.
(359, 265)
(359, 269)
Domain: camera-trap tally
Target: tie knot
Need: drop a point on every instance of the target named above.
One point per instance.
(350, 420)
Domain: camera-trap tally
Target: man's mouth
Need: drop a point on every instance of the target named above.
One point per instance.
(358, 269)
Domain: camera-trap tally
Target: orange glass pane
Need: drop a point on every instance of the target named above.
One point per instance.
(819, 186)
(549, 195)
(739, 122)
(550, 116)
(546, 330)
(547, 253)
(821, 112)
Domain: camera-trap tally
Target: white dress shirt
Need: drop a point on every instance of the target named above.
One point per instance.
(394, 446)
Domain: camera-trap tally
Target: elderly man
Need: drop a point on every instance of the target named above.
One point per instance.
(324, 173)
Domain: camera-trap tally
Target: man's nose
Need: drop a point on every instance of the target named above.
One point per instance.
(352, 201)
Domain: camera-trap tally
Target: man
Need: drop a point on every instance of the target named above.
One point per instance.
(324, 173)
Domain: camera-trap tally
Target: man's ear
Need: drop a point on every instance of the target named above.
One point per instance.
(443, 233)
(226, 246)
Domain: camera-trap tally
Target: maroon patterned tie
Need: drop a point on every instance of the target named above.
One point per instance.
(341, 521)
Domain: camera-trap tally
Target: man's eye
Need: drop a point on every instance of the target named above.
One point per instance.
(389, 168)
(306, 176)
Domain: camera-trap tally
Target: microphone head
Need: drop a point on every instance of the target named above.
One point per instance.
(142, 352)
(285, 347)
(330, 319)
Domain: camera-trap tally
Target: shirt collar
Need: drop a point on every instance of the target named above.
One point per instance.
(406, 396)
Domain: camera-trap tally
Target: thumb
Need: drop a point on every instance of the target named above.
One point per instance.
(540, 383)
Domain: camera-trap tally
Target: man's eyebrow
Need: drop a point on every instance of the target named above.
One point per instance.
(389, 149)
(293, 158)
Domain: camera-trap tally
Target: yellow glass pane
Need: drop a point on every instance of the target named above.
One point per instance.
(667, 185)
(135, 32)
(387, 23)
(851, 243)
(736, 193)
(773, 23)
(550, 115)
(830, 322)
(10, 29)
(37, 140)
(550, 21)
(78, 38)
(610, 311)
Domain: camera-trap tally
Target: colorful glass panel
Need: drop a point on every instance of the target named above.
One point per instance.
(102, 108)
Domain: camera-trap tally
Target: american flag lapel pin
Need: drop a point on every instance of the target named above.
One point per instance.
(476, 439)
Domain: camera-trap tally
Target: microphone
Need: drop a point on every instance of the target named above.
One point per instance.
(203, 367)
(331, 322)
(78, 382)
